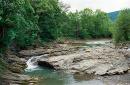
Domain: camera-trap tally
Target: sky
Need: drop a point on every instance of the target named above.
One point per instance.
(104, 5)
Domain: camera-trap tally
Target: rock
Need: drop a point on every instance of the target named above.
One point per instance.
(15, 64)
(16, 68)
(18, 79)
(35, 52)
(54, 51)
(125, 47)
(13, 75)
(98, 61)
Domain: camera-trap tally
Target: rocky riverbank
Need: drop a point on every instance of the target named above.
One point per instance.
(79, 57)
(98, 61)
(99, 58)
(15, 69)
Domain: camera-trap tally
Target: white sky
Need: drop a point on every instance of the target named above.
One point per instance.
(104, 5)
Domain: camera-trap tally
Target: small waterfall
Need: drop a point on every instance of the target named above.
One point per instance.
(32, 63)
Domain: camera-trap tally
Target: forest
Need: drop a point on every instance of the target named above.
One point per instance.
(32, 23)
(29, 22)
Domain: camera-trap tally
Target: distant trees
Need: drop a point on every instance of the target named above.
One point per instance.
(102, 24)
(72, 26)
(88, 24)
(121, 28)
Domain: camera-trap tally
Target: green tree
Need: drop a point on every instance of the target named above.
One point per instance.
(49, 21)
(121, 28)
(17, 24)
(87, 23)
(102, 23)
(73, 27)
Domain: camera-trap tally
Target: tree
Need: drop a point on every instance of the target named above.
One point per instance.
(102, 23)
(18, 23)
(50, 19)
(87, 23)
(73, 26)
(121, 27)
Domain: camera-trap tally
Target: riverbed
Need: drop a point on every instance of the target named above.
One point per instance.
(53, 77)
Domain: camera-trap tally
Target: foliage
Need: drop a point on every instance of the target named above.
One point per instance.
(25, 23)
(18, 24)
(102, 23)
(88, 24)
(50, 19)
(121, 28)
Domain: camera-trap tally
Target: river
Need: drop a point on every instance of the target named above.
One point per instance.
(52, 77)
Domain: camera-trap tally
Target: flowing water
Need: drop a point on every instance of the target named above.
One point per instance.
(52, 77)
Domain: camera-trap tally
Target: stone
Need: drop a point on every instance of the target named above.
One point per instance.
(18, 79)
(98, 61)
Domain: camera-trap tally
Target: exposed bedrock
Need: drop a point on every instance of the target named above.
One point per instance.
(98, 61)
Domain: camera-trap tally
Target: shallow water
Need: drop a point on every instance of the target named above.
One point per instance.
(92, 43)
(51, 77)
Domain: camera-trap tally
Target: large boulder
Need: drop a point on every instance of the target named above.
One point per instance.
(98, 61)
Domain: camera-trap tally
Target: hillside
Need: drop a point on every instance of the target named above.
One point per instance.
(113, 15)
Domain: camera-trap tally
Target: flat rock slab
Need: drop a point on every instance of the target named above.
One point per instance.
(98, 61)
